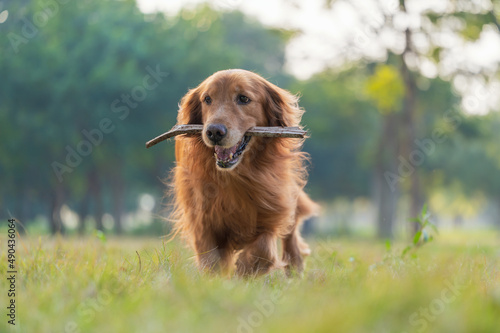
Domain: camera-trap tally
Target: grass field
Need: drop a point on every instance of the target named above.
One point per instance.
(145, 285)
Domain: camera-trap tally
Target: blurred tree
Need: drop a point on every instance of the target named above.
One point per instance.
(385, 88)
(417, 51)
(470, 159)
(341, 133)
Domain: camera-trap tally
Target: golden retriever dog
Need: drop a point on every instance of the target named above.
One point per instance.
(236, 195)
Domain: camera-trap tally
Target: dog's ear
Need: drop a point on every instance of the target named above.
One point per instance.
(190, 108)
(281, 107)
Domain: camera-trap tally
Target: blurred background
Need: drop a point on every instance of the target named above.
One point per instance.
(401, 100)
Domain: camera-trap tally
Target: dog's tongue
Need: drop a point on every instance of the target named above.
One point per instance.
(225, 154)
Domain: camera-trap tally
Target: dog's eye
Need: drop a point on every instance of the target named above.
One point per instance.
(208, 100)
(242, 99)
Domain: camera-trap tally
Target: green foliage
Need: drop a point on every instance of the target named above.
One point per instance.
(100, 235)
(425, 234)
(473, 23)
(426, 229)
(385, 87)
(471, 151)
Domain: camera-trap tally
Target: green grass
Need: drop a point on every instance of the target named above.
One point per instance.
(90, 285)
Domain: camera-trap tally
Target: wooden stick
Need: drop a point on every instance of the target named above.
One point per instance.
(270, 132)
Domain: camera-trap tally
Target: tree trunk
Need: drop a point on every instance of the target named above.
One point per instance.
(83, 211)
(386, 173)
(118, 203)
(56, 226)
(20, 210)
(95, 189)
(409, 149)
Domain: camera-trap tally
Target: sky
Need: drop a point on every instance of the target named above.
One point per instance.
(330, 37)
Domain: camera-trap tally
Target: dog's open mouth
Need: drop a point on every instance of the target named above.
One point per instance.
(228, 157)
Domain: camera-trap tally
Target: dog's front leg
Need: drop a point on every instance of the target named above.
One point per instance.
(259, 257)
(212, 257)
(294, 248)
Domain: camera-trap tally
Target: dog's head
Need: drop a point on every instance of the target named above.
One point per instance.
(228, 104)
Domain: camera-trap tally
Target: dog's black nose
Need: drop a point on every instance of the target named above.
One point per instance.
(216, 132)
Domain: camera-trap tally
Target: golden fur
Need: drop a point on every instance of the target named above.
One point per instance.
(235, 216)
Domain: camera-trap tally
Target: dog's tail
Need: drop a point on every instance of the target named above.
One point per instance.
(306, 208)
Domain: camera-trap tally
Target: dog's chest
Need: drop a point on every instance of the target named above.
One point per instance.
(238, 215)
